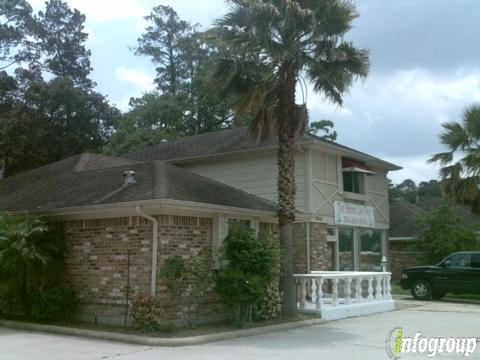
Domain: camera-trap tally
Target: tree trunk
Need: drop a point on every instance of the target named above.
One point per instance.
(287, 125)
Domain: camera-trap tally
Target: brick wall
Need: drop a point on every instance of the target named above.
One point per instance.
(97, 262)
(319, 257)
(401, 256)
(319, 247)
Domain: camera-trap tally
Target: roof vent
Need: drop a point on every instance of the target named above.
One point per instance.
(129, 177)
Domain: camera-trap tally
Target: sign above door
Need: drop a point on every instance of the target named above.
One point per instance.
(353, 215)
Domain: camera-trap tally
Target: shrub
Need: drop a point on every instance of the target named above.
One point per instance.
(269, 306)
(188, 281)
(31, 257)
(445, 233)
(57, 304)
(245, 281)
(148, 315)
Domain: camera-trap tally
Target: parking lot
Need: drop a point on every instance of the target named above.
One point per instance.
(355, 338)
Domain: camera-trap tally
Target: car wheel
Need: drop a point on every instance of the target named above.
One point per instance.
(421, 290)
(438, 295)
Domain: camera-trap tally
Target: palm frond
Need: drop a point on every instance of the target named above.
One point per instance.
(454, 136)
(471, 121)
(442, 158)
(466, 189)
(452, 172)
(471, 162)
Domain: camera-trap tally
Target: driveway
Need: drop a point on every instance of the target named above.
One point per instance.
(355, 338)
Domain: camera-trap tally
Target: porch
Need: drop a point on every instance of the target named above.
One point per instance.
(337, 295)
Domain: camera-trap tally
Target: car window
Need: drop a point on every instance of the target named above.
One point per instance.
(458, 261)
(475, 261)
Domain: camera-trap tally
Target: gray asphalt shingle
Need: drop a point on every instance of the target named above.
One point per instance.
(92, 179)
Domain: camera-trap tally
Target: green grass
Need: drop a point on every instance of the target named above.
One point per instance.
(397, 290)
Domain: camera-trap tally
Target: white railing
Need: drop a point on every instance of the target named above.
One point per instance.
(336, 295)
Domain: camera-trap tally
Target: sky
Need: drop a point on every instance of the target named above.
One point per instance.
(425, 70)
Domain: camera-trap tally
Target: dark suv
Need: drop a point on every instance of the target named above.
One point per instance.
(458, 273)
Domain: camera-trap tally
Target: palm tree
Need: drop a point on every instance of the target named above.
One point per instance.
(461, 178)
(275, 45)
(30, 255)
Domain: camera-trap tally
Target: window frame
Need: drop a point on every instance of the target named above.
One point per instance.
(360, 178)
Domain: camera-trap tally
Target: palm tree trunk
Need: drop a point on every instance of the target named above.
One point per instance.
(286, 181)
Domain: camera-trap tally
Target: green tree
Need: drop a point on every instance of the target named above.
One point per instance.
(323, 128)
(275, 44)
(445, 234)
(461, 178)
(31, 255)
(429, 189)
(17, 26)
(51, 121)
(46, 120)
(250, 265)
(408, 190)
(161, 42)
(62, 41)
(188, 282)
(185, 101)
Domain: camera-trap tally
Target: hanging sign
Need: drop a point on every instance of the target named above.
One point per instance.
(353, 214)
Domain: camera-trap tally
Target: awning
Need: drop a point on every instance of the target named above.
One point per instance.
(349, 165)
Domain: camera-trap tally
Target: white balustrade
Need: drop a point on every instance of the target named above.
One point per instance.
(330, 294)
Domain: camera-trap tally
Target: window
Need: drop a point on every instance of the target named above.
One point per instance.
(222, 227)
(458, 261)
(370, 250)
(354, 182)
(235, 225)
(345, 250)
(475, 261)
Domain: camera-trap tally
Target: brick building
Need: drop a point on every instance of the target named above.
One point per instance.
(128, 215)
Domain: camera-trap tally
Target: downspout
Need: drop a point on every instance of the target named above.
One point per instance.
(153, 284)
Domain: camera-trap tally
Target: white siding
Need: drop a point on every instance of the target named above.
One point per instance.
(327, 188)
(256, 174)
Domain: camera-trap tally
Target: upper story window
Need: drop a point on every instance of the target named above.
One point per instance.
(238, 225)
(354, 173)
(354, 182)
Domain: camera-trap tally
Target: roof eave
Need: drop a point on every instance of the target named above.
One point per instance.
(382, 164)
(379, 163)
(155, 204)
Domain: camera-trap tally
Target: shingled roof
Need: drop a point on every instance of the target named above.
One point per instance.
(227, 142)
(403, 223)
(92, 179)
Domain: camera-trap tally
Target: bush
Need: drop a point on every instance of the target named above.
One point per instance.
(58, 304)
(269, 306)
(31, 257)
(148, 315)
(445, 234)
(245, 283)
(188, 281)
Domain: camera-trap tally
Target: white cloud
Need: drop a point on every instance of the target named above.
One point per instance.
(104, 10)
(318, 103)
(414, 167)
(143, 81)
(397, 115)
